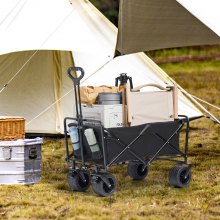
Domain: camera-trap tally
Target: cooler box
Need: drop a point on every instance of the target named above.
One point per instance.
(110, 115)
(20, 161)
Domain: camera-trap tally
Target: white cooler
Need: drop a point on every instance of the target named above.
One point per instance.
(109, 115)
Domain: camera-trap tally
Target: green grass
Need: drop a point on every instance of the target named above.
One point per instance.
(152, 198)
(186, 51)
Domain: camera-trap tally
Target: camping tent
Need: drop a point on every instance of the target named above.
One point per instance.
(41, 39)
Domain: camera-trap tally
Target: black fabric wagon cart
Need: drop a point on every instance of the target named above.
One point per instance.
(136, 146)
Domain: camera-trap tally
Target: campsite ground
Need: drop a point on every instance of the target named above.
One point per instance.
(152, 198)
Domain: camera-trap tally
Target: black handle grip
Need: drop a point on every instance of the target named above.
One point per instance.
(76, 80)
(116, 81)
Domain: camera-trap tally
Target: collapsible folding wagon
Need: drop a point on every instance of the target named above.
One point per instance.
(97, 148)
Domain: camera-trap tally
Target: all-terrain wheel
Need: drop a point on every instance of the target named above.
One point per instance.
(79, 180)
(179, 176)
(104, 184)
(136, 171)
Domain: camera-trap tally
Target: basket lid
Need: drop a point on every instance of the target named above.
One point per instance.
(10, 117)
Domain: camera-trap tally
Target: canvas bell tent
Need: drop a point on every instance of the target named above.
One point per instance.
(41, 39)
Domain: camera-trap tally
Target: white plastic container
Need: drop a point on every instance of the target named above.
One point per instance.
(109, 115)
(20, 161)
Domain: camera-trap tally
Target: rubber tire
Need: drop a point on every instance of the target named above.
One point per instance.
(135, 171)
(100, 187)
(177, 176)
(75, 181)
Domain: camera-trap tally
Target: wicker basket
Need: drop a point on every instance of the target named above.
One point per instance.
(12, 128)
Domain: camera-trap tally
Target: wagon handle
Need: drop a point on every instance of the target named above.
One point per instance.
(76, 80)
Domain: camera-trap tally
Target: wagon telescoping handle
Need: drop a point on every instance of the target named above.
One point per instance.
(76, 80)
(76, 85)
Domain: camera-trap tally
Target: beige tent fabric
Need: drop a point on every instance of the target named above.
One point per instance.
(62, 60)
(35, 87)
(156, 24)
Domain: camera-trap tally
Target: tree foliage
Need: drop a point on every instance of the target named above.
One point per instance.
(109, 8)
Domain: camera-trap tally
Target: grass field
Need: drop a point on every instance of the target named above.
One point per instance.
(152, 198)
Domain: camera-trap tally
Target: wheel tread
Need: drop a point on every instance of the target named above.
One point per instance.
(74, 180)
(175, 176)
(133, 171)
(98, 185)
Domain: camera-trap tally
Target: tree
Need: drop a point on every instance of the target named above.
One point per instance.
(109, 8)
